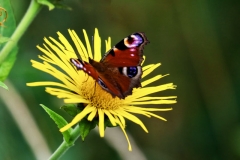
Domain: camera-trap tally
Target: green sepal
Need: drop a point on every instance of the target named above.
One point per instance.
(107, 123)
(71, 109)
(60, 121)
(3, 85)
(86, 126)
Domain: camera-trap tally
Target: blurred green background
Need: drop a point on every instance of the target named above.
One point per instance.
(197, 42)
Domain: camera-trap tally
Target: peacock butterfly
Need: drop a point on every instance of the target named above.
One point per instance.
(119, 71)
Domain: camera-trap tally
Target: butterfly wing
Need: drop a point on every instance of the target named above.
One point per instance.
(126, 58)
(119, 71)
(128, 52)
(107, 78)
(86, 67)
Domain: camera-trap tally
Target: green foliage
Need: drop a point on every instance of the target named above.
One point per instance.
(60, 121)
(10, 24)
(107, 123)
(196, 41)
(86, 126)
(3, 39)
(7, 65)
(3, 85)
(5, 32)
(71, 109)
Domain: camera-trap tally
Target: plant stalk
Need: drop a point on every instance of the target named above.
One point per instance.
(65, 146)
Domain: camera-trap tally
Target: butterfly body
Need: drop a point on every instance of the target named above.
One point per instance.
(119, 71)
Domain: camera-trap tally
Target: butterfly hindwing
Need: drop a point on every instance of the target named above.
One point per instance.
(127, 52)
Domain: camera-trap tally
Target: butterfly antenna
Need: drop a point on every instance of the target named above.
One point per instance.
(87, 78)
(94, 88)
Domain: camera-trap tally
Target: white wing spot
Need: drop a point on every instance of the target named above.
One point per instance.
(80, 65)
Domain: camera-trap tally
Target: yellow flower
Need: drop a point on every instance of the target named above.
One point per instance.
(77, 87)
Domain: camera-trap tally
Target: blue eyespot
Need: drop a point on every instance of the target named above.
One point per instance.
(102, 84)
(132, 71)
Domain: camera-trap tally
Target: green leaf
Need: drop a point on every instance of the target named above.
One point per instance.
(107, 123)
(6, 31)
(86, 126)
(7, 65)
(3, 85)
(71, 109)
(4, 39)
(10, 23)
(60, 121)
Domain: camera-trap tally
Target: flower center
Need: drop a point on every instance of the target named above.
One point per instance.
(98, 97)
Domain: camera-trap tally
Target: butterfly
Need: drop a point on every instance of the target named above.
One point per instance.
(120, 70)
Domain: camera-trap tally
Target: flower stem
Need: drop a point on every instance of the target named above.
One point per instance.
(31, 13)
(65, 146)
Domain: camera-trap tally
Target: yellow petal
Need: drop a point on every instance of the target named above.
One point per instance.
(154, 98)
(149, 90)
(132, 118)
(47, 83)
(122, 120)
(111, 118)
(97, 46)
(88, 44)
(134, 108)
(144, 58)
(63, 56)
(101, 122)
(147, 67)
(62, 63)
(92, 115)
(149, 70)
(78, 44)
(153, 79)
(108, 44)
(142, 112)
(56, 73)
(67, 45)
(45, 58)
(155, 102)
(122, 127)
(76, 100)
(78, 118)
(156, 116)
